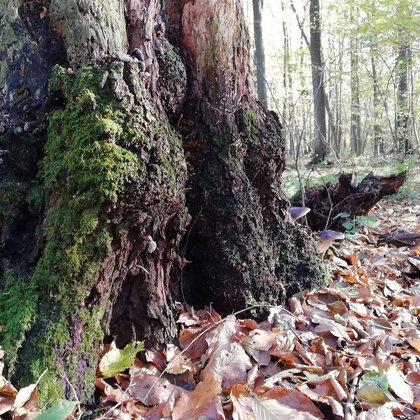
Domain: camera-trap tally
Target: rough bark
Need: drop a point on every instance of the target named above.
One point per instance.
(347, 197)
(151, 152)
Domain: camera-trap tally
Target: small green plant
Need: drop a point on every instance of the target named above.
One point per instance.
(352, 225)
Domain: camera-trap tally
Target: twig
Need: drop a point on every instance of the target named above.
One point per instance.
(79, 409)
(349, 411)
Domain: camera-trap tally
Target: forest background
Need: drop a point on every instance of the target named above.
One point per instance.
(353, 65)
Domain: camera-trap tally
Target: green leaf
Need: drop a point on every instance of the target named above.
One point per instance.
(376, 378)
(117, 360)
(59, 411)
(342, 216)
(348, 225)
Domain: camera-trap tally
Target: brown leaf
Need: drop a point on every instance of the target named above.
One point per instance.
(110, 393)
(202, 401)
(294, 399)
(271, 409)
(229, 364)
(336, 407)
(415, 344)
(196, 345)
(152, 390)
(397, 383)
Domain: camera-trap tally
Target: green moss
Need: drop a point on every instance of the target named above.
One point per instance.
(251, 124)
(35, 196)
(12, 196)
(18, 300)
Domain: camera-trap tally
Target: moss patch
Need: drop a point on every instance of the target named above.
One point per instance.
(84, 170)
(12, 196)
(97, 144)
(18, 301)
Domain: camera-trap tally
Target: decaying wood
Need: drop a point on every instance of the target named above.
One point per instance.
(399, 238)
(346, 196)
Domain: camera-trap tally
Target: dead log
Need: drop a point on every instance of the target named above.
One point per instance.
(346, 196)
(399, 238)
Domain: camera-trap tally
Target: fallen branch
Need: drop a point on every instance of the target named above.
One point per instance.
(347, 197)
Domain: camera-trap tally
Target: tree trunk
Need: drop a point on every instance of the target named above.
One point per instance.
(378, 141)
(259, 52)
(320, 125)
(131, 145)
(338, 86)
(355, 124)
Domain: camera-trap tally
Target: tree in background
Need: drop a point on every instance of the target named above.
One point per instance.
(370, 62)
(259, 52)
(403, 112)
(318, 89)
(355, 119)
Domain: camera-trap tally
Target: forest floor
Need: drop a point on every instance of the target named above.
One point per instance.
(350, 350)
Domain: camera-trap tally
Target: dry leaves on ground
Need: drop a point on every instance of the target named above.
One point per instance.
(348, 351)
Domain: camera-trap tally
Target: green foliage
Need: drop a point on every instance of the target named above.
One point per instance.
(352, 225)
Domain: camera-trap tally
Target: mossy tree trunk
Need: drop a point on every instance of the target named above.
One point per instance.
(131, 144)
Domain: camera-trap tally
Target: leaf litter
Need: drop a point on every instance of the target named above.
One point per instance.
(348, 351)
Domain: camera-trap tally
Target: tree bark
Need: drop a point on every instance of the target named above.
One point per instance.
(131, 145)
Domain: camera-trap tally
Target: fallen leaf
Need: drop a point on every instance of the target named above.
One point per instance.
(61, 410)
(202, 401)
(266, 409)
(118, 360)
(398, 385)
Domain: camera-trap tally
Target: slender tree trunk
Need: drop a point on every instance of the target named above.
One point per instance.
(378, 146)
(132, 144)
(259, 52)
(355, 123)
(402, 117)
(288, 104)
(320, 125)
(338, 95)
